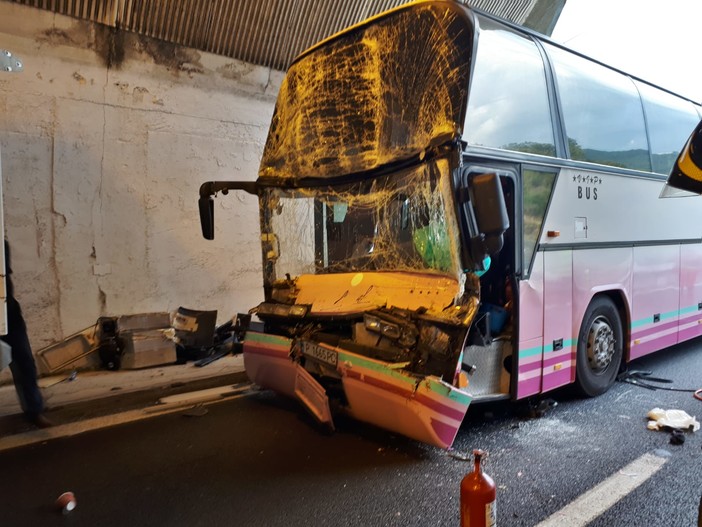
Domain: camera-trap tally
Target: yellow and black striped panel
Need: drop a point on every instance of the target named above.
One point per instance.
(687, 171)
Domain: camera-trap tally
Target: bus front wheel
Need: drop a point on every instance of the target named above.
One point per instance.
(600, 347)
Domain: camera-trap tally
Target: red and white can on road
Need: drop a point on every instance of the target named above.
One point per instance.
(478, 496)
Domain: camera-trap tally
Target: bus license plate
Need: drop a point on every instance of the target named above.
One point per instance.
(326, 355)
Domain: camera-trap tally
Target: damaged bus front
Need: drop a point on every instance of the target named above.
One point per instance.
(371, 242)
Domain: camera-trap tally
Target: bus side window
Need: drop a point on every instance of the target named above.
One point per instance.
(602, 111)
(670, 120)
(537, 186)
(509, 67)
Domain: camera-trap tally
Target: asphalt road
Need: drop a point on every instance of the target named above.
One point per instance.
(260, 460)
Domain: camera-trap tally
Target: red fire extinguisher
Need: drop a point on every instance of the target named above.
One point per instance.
(478, 496)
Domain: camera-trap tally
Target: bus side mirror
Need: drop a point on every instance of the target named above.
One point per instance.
(206, 205)
(490, 210)
(206, 202)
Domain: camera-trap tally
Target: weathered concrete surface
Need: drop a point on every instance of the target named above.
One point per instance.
(105, 140)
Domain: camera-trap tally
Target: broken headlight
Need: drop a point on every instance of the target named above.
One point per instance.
(281, 310)
(380, 326)
(391, 326)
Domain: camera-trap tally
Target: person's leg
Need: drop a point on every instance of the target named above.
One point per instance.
(24, 370)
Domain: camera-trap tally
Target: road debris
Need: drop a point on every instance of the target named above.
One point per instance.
(70, 378)
(195, 411)
(66, 502)
(677, 437)
(677, 419)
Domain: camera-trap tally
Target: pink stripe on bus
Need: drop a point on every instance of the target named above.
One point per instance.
(536, 366)
(446, 433)
(655, 328)
(420, 398)
(559, 359)
(691, 332)
(529, 387)
(639, 350)
(267, 350)
(526, 361)
(560, 377)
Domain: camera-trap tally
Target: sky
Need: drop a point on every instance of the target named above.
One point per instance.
(654, 40)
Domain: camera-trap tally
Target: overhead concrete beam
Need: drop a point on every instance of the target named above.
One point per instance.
(544, 15)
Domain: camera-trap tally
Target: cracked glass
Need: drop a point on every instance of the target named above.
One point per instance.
(402, 221)
(378, 94)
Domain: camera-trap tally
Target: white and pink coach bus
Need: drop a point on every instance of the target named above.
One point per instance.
(455, 209)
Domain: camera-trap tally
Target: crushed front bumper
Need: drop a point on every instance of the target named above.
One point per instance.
(426, 409)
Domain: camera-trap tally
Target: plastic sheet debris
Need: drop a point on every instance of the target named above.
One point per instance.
(661, 419)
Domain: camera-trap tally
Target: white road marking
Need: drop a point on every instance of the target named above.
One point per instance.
(97, 423)
(597, 500)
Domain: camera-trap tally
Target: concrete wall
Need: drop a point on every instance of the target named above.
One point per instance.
(105, 139)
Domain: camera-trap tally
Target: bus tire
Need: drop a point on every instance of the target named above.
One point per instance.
(600, 348)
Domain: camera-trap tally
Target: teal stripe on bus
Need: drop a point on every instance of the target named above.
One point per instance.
(687, 310)
(530, 352)
(383, 369)
(671, 314)
(664, 316)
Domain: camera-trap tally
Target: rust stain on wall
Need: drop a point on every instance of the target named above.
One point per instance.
(81, 34)
(110, 45)
(56, 37)
(235, 71)
(138, 94)
(172, 56)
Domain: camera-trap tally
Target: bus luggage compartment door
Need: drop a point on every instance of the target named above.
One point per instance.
(559, 341)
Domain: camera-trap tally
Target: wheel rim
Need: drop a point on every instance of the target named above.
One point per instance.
(600, 345)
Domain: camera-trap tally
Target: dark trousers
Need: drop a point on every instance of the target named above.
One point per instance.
(24, 370)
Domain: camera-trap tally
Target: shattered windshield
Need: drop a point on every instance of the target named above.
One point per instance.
(381, 92)
(398, 222)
